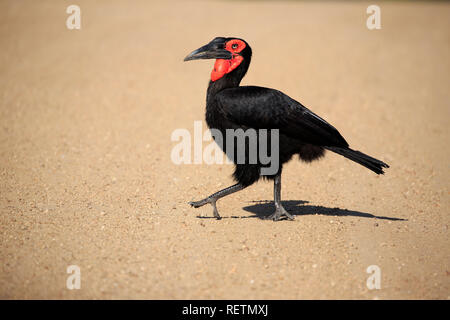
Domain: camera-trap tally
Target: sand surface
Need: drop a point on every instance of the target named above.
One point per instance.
(86, 179)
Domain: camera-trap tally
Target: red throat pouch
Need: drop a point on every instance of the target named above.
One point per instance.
(222, 67)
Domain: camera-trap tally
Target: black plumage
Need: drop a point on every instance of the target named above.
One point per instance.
(230, 106)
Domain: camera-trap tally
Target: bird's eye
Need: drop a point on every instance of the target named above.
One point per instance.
(234, 46)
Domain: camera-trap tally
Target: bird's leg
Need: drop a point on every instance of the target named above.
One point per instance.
(216, 196)
(279, 210)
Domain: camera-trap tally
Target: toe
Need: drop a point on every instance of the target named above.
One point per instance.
(192, 203)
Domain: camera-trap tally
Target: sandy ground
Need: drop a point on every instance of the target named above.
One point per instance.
(87, 179)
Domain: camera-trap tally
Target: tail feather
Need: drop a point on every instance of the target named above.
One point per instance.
(363, 159)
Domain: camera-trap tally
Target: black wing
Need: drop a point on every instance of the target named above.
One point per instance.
(264, 108)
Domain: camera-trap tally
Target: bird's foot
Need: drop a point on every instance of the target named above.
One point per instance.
(279, 213)
(198, 204)
(201, 203)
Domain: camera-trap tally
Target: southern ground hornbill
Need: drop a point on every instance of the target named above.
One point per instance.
(230, 106)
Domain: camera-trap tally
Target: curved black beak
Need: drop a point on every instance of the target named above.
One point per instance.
(213, 50)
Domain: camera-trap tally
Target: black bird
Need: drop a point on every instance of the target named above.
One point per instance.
(230, 106)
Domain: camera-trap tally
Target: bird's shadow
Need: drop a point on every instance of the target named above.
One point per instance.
(263, 208)
(299, 207)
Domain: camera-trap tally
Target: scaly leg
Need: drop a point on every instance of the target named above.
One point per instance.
(279, 210)
(216, 196)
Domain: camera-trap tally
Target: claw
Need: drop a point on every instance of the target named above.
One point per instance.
(279, 212)
(215, 212)
(198, 204)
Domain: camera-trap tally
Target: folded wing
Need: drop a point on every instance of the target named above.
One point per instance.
(264, 108)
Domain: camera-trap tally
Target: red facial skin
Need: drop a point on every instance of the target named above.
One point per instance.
(222, 66)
